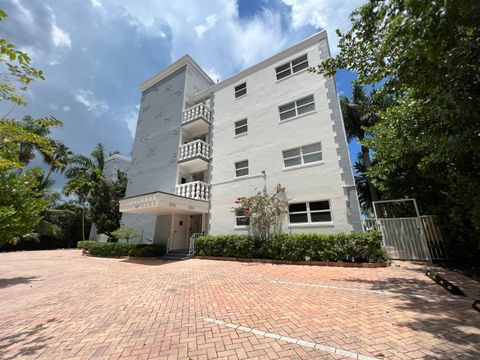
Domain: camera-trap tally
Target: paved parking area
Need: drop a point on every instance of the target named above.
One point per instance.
(62, 305)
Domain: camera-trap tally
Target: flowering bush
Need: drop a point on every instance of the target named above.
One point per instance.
(264, 212)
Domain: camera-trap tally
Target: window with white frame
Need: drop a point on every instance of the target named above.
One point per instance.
(292, 67)
(241, 168)
(241, 219)
(241, 127)
(302, 155)
(240, 90)
(297, 107)
(310, 212)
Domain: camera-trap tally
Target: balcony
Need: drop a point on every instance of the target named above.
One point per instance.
(196, 120)
(197, 190)
(194, 156)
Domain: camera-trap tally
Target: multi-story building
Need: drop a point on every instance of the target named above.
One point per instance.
(199, 145)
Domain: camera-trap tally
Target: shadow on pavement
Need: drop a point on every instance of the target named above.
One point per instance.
(451, 321)
(30, 343)
(4, 283)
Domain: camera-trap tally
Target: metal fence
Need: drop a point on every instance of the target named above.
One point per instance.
(410, 238)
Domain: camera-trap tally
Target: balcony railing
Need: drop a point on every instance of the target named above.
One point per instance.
(191, 150)
(198, 111)
(197, 190)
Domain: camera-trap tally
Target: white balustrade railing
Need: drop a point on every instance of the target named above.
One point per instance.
(197, 190)
(193, 149)
(195, 112)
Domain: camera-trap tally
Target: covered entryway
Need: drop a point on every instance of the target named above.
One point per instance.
(406, 234)
(184, 226)
(177, 217)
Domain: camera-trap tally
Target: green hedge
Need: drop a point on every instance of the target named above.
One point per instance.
(111, 249)
(357, 247)
(85, 244)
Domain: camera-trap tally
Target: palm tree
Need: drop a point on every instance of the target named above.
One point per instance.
(359, 113)
(82, 173)
(58, 160)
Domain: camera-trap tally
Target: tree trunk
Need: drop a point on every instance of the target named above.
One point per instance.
(83, 221)
(374, 193)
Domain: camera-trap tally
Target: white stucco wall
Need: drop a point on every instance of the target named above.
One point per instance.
(266, 139)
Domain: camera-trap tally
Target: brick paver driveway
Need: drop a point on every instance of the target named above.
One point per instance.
(60, 304)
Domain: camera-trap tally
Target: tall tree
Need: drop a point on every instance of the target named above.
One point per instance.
(86, 180)
(104, 202)
(427, 54)
(359, 113)
(58, 159)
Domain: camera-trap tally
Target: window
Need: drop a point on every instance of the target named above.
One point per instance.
(292, 67)
(241, 168)
(241, 127)
(240, 90)
(241, 219)
(297, 107)
(302, 155)
(310, 212)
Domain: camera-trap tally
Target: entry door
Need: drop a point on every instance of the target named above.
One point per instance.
(180, 232)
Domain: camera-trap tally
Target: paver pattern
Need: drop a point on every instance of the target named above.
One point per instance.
(62, 305)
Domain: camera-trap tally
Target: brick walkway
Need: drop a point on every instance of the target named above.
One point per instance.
(61, 305)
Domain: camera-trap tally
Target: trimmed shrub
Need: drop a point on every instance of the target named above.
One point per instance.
(85, 245)
(147, 251)
(110, 249)
(354, 247)
(227, 246)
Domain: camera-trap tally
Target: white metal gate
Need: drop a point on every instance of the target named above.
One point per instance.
(409, 238)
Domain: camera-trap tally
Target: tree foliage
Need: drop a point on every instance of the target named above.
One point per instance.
(21, 204)
(427, 55)
(264, 212)
(126, 233)
(104, 202)
(19, 73)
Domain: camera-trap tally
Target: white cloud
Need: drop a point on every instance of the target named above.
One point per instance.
(214, 74)
(220, 38)
(326, 14)
(131, 116)
(210, 22)
(96, 3)
(66, 108)
(60, 37)
(87, 98)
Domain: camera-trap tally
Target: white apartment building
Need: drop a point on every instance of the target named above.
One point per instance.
(199, 145)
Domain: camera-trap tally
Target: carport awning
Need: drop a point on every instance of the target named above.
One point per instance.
(161, 203)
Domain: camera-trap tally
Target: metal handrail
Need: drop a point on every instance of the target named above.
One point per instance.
(193, 238)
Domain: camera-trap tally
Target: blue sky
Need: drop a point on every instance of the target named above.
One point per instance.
(96, 53)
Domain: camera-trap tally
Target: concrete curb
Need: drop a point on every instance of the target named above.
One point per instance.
(286, 262)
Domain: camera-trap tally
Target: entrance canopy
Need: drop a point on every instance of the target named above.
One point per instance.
(160, 203)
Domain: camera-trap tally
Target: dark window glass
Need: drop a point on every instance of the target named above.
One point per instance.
(291, 153)
(298, 218)
(297, 207)
(241, 127)
(306, 108)
(288, 114)
(321, 216)
(311, 148)
(312, 158)
(293, 161)
(241, 164)
(305, 100)
(319, 205)
(286, 107)
(299, 60)
(240, 90)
